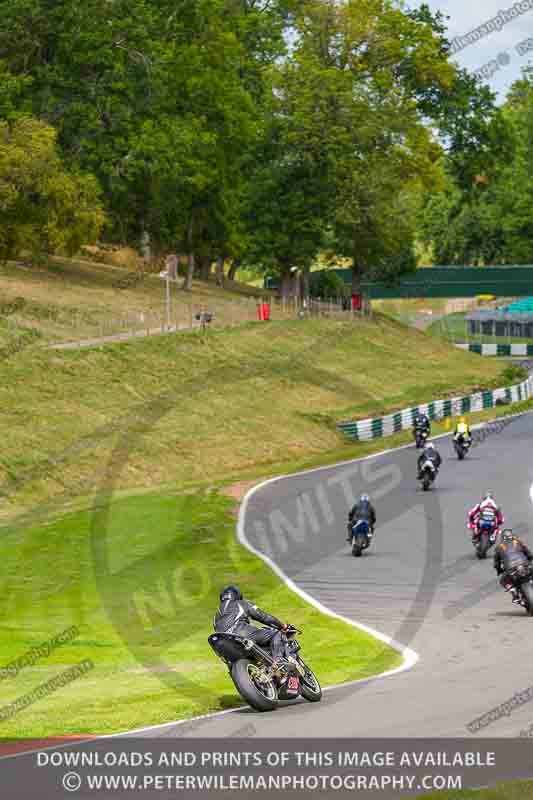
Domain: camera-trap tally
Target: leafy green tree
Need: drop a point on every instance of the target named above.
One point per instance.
(43, 208)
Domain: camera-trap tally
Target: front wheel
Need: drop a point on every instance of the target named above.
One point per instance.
(527, 594)
(310, 688)
(252, 683)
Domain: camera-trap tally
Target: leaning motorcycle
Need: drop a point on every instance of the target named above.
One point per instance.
(486, 533)
(250, 668)
(521, 577)
(428, 473)
(361, 536)
(420, 437)
(462, 446)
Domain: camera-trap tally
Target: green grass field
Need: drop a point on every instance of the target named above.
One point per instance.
(140, 578)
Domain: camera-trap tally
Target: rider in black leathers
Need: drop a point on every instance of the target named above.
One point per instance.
(509, 553)
(421, 423)
(234, 615)
(363, 509)
(429, 453)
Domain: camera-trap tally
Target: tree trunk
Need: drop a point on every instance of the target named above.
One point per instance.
(304, 284)
(204, 268)
(235, 264)
(191, 260)
(220, 270)
(286, 284)
(357, 274)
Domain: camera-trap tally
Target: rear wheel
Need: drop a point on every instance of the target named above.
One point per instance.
(309, 686)
(482, 547)
(357, 546)
(527, 594)
(257, 689)
(426, 483)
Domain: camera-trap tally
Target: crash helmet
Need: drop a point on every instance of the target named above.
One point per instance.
(231, 593)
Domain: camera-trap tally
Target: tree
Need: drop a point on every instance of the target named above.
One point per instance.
(490, 219)
(350, 94)
(43, 208)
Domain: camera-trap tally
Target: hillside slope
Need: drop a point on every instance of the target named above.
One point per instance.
(186, 410)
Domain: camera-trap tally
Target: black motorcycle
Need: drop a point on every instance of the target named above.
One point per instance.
(521, 577)
(420, 437)
(462, 446)
(428, 473)
(250, 667)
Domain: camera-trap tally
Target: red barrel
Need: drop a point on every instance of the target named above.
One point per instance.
(356, 302)
(263, 311)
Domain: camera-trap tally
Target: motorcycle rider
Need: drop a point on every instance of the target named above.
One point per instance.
(462, 432)
(510, 552)
(429, 453)
(234, 615)
(362, 510)
(421, 423)
(487, 508)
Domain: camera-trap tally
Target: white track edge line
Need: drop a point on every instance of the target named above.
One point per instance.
(410, 656)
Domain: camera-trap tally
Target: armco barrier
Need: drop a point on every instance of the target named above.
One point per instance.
(366, 429)
(498, 349)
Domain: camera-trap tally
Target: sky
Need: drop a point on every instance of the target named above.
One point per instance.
(498, 52)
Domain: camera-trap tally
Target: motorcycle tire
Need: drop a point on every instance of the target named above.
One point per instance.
(482, 547)
(248, 689)
(527, 594)
(310, 688)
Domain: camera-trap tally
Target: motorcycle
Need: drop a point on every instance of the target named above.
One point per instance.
(462, 446)
(361, 536)
(420, 437)
(521, 577)
(428, 473)
(487, 532)
(250, 668)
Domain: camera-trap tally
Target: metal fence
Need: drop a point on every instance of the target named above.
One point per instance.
(79, 328)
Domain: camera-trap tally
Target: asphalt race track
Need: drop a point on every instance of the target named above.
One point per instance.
(420, 583)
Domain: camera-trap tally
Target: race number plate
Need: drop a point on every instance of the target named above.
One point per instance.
(293, 685)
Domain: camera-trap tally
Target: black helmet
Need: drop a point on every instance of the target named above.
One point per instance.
(231, 593)
(507, 535)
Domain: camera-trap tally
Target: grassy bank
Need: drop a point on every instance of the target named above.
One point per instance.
(183, 410)
(143, 607)
(73, 299)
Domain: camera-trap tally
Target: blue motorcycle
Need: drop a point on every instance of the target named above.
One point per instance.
(361, 537)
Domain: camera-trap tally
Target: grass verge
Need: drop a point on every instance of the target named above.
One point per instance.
(144, 616)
